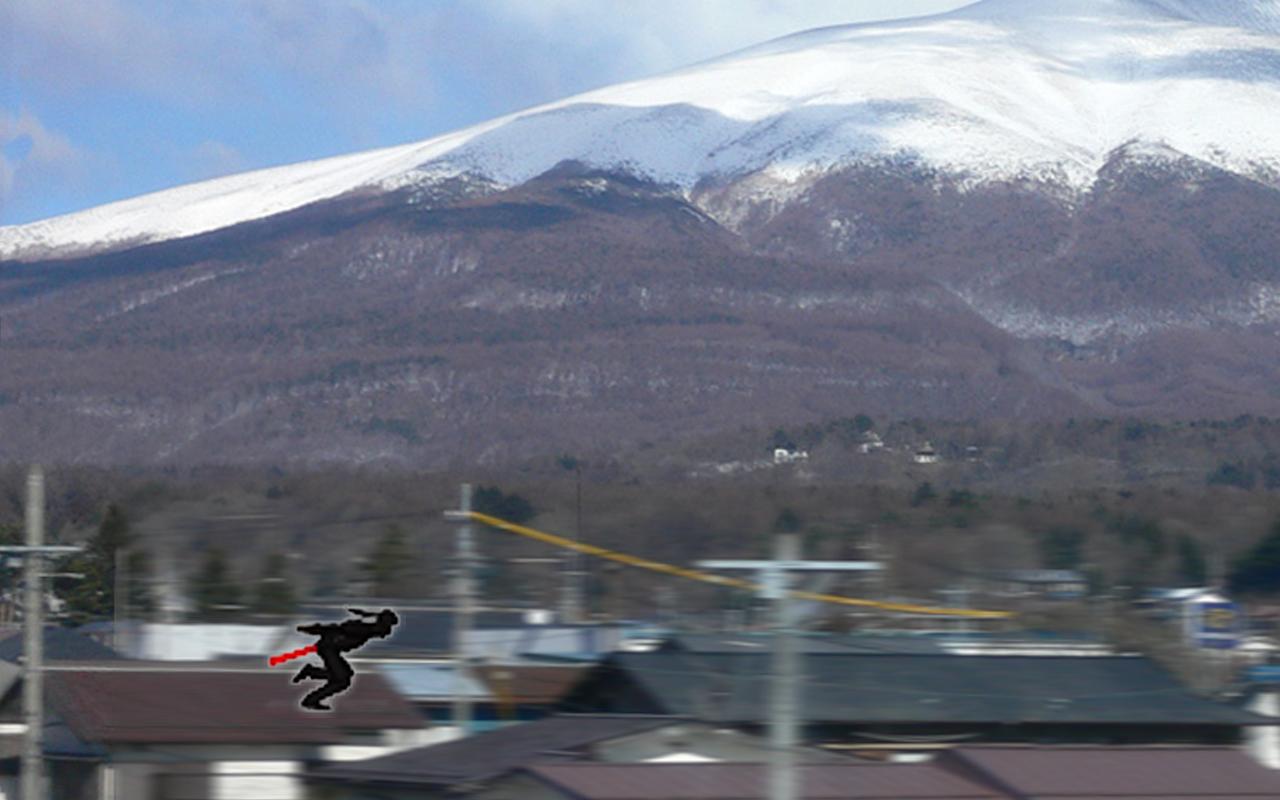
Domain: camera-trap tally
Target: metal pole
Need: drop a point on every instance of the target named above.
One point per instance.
(577, 562)
(783, 699)
(120, 607)
(571, 574)
(33, 646)
(463, 615)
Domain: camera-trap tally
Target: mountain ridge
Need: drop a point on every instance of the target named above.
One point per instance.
(988, 92)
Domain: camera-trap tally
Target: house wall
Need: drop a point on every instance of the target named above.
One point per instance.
(388, 742)
(204, 772)
(1263, 741)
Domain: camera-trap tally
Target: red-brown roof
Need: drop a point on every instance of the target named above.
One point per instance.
(743, 781)
(189, 705)
(1131, 773)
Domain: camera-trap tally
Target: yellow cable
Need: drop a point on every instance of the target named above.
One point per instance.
(720, 580)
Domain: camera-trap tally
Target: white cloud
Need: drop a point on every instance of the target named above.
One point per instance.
(31, 152)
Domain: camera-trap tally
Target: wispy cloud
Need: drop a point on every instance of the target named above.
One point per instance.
(32, 154)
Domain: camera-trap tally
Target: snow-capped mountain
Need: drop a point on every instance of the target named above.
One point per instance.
(1000, 90)
(1022, 209)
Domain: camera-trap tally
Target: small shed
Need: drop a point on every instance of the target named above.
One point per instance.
(926, 454)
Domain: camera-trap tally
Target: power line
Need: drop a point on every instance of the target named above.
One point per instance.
(719, 580)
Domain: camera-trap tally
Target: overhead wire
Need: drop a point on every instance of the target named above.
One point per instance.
(721, 580)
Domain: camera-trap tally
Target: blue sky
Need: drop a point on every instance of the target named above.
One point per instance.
(106, 99)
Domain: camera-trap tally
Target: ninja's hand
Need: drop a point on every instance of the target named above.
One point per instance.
(313, 629)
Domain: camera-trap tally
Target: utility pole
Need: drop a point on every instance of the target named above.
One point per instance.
(464, 598)
(33, 553)
(774, 579)
(120, 596)
(573, 576)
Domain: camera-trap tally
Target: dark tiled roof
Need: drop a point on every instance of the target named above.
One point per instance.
(1118, 772)
(60, 644)
(740, 781)
(518, 683)
(891, 688)
(107, 706)
(487, 755)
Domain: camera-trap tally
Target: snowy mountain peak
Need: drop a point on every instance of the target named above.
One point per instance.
(996, 90)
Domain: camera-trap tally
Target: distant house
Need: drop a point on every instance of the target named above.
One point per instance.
(500, 694)
(528, 691)
(206, 641)
(926, 454)
(789, 455)
(427, 633)
(870, 442)
(149, 731)
(423, 631)
(1051, 584)
(1207, 618)
(855, 696)
(60, 644)
(473, 764)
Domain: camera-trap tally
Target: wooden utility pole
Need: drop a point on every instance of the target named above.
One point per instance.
(774, 579)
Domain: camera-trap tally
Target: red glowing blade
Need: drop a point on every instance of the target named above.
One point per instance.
(292, 654)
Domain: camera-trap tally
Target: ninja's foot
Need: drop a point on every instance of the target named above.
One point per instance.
(298, 678)
(316, 705)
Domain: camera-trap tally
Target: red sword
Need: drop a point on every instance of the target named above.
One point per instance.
(292, 654)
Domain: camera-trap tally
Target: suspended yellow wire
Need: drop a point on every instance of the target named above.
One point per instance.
(721, 580)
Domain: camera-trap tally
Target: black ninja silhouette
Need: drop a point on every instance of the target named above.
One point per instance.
(337, 638)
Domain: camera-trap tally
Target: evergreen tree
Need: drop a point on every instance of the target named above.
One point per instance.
(1062, 547)
(512, 507)
(213, 589)
(1259, 569)
(1193, 569)
(923, 494)
(388, 564)
(788, 521)
(94, 595)
(274, 595)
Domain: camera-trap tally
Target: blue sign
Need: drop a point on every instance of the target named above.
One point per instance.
(1216, 624)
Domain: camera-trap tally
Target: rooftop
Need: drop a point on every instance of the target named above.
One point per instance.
(720, 781)
(906, 688)
(490, 754)
(104, 705)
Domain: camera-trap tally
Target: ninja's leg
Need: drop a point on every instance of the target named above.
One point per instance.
(314, 699)
(339, 681)
(311, 673)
